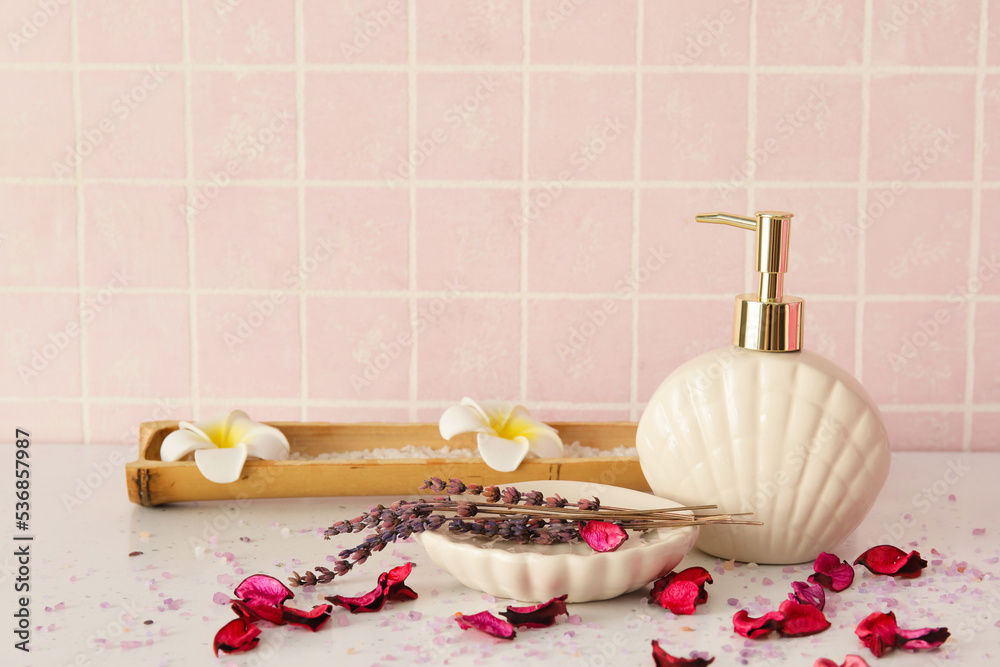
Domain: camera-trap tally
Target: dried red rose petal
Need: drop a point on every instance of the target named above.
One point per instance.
(371, 601)
(890, 560)
(261, 589)
(312, 619)
(390, 586)
(486, 622)
(681, 591)
(392, 583)
(832, 573)
(849, 661)
(236, 636)
(537, 616)
(663, 659)
(602, 536)
(801, 619)
(924, 638)
(757, 628)
(878, 632)
(808, 594)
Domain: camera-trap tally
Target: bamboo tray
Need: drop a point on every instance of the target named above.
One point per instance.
(153, 482)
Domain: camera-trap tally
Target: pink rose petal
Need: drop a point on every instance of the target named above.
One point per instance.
(263, 589)
(757, 628)
(801, 619)
(808, 594)
(486, 622)
(602, 536)
(537, 616)
(236, 636)
(849, 661)
(832, 573)
(892, 561)
(312, 619)
(681, 591)
(663, 659)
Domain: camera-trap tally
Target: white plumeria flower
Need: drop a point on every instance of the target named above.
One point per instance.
(505, 434)
(222, 444)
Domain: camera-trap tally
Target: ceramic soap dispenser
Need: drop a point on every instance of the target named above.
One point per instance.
(766, 427)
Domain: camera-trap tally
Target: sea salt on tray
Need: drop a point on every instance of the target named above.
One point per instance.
(571, 451)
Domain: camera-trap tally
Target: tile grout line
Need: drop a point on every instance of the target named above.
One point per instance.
(300, 168)
(975, 230)
(189, 219)
(411, 85)
(522, 372)
(750, 242)
(860, 256)
(633, 390)
(80, 222)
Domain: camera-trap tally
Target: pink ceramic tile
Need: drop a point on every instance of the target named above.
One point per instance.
(118, 423)
(829, 331)
(991, 129)
(914, 352)
(993, 41)
(35, 31)
(468, 127)
(700, 258)
(244, 125)
(151, 254)
(710, 32)
(925, 33)
(808, 127)
(921, 127)
(356, 125)
(932, 255)
(36, 124)
(228, 257)
(132, 123)
(694, 127)
(986, 431)
(988, 271)
(364, 31)
(674, 332)
(257, 411)
(358, 348)
(48, 422)
(232, 32)
(584, 415)
(925, 431)
(987, 353)
(147, 31)
(587, 32)
(823, 239)
(249, 346)
(357, 238)
(581, 242)
(468, 239)
(138, 346)
(360, 414)
(38, 236)
(468, 348)
(471, 32)
(579, 350)
(820, 33)
(595, 140)
(41, 345)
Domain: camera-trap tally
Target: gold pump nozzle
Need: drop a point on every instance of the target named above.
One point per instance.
(769, 320)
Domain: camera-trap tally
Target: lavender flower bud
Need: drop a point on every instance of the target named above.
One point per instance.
(491, 493)
(455, 487)
(473, 489)
(466, 509)
(534, 498)
(511, 496)
(342, 567)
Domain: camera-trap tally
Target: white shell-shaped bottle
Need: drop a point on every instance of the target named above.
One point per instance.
(790, 436)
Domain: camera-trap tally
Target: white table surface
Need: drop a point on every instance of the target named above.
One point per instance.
(89, 599)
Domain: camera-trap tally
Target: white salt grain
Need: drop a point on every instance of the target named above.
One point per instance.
(572, 451)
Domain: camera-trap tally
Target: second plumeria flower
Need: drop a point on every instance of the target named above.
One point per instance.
(505, 433)
(222, 444)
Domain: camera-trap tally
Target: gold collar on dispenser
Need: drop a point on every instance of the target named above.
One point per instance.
(770, 320)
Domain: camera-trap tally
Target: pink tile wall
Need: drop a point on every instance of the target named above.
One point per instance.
(365, 210)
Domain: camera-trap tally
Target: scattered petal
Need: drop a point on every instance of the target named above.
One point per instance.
(312, 619)
(681, 591)
(890, 560)
(810, 593)
(236, 636)
(486, 622)
(602, 536)
(757, 628)
(878, 632)
(538, 616)
(832, 573)
(924, 638)
(263, 589)
(849, 661)
(663, 659)
(371, 601)
(801, 619)
(392, 583)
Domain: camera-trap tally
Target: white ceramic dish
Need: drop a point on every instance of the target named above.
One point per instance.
(537, 573)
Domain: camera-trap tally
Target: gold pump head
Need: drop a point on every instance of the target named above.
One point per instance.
(769, 320)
